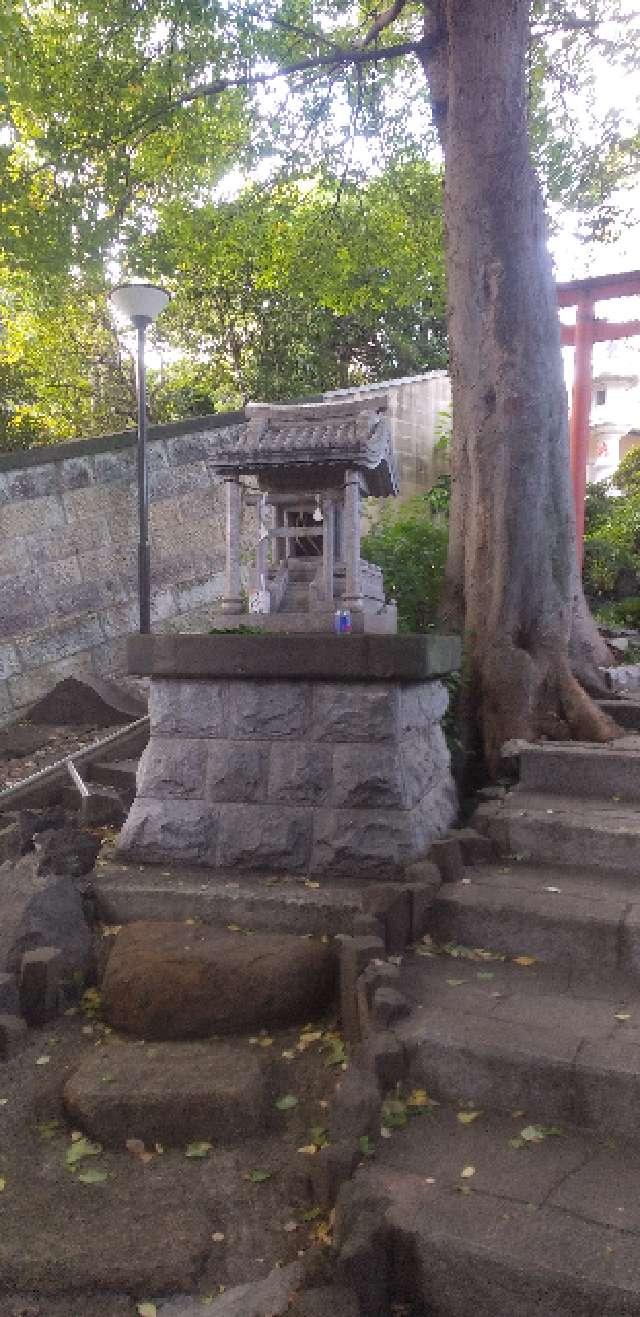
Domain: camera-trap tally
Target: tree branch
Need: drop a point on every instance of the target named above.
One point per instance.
(385, 19)
(350, 55)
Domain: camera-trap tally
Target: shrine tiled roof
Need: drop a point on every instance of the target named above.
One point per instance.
(343, 434)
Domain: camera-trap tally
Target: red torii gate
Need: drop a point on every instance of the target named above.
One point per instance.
(583, 294)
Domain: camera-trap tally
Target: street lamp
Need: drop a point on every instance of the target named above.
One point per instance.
(141, 303)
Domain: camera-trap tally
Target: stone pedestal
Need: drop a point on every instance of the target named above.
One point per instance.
(279, 755)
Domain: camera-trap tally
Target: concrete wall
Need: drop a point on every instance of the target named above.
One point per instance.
(68, 537)
(416, 404)
(68, 551)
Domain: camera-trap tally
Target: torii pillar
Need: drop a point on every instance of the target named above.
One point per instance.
(583, 294)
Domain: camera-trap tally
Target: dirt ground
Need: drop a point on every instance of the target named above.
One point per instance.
(81, 1244)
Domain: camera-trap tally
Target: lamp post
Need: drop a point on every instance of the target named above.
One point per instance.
(141, 303)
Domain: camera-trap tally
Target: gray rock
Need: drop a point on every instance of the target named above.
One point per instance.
(166, 830)
(336, 1300)
(363, 778)
(101, 805)
(172, 766)
(42, 912)
(40, 984)
(190, 708)
(356, 712)
(264, 838)
(66, 852)
(270, 1297)
(9, 1000)
(300, 773)
(236, 772)
(268, 708)
(10, 840)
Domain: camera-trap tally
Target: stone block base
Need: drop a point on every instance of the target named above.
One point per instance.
(293, 776)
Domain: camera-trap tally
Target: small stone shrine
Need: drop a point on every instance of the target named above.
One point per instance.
(299, 755)
(313, 464)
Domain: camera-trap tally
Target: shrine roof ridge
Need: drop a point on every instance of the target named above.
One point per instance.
(348, 433)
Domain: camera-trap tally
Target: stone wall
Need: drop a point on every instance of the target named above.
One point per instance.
(334, 779)
(68, 551)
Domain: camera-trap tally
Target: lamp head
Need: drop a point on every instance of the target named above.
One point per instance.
(138, 302)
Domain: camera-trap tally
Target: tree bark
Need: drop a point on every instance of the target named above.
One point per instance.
(512, 579)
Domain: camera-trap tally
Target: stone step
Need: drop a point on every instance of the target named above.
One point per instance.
(502, 1036)
(171, 1093)
(573, 916)
(581, 770)
(120, 774)
(564, 830)
(624, 712)
(125, 893)
(548, 1229)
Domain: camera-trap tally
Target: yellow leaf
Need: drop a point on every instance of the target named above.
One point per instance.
(623, 1015)
(146, 1310)
(525, 961)
(467, 1172)
(419, 1098)
(217, 1236)
(2, 1185)
(309, 1149)
(468, 1117)
(265, 1042)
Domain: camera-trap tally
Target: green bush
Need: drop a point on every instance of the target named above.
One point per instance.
(412, 551)
(623, 613)
(627, 476)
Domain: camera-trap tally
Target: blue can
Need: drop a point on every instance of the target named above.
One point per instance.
(342, 622)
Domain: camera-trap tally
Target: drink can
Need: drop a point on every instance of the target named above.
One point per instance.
(342, 622)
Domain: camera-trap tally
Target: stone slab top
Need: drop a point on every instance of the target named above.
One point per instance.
(295, 657)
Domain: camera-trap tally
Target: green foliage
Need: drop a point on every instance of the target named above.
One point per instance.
(411, 550)
(612, 540)
(622, 613)
(305, 286)
(627, 476)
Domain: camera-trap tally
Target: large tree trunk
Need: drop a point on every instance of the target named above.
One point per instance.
(512, 579)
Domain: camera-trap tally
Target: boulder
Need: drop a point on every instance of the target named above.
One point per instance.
(171, 1093)
(66, 851)
(38, 911)
(171, 980)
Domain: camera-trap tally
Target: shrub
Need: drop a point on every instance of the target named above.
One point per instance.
(623, 613)
(627, 476)
(411, 550)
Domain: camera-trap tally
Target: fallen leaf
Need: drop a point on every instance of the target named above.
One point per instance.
(258, 1177)
(146, 1310)
(552, 889)
(467, 1172)
(307, 1039)
(201, 1149)
(524, 961)
(485, 975)
(92, 1175)
(394, 1113)
(3, 1102)
(367, 1148)
(290, 1227)
(43, 1060)
(312, 885)
(287, 1103)
(623, 1015)
(288, 1055)
(80, 1148)
(2, 1185)
(418, 1098)
(309, 1149)
(265, 1042)
(455, 983)
(468, 1117)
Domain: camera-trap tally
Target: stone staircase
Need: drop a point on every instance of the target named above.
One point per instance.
(519, 1192)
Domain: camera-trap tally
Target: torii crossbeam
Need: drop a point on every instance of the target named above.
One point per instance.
(583, 294)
